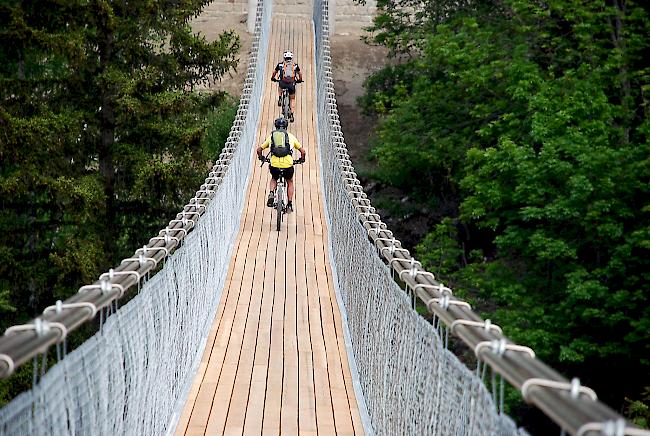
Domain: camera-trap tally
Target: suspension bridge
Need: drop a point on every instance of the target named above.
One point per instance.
(310, 330)
(276, 345)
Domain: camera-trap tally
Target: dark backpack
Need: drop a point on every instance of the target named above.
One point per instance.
(280, 146)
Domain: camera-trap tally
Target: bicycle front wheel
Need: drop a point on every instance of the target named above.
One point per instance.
(279, 206)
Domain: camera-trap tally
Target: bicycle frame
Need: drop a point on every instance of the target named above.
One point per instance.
(286, 104)
(280, 204)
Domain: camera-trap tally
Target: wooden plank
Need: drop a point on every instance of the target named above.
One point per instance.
(257, 392)
(333, 337)
(239, 400)
(274, 287)
(290, 403)
(307, 396)
(323, 400)
(242, 390)
(345, 366)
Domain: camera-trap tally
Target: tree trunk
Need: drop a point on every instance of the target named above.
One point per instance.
(619, 43)
(21, 66)
(107, 139)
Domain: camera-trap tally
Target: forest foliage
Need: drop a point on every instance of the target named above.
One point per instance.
(523, 127)
(103, 136)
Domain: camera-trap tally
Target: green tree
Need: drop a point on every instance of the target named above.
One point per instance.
(47, 196)
(137, 90)
(102, 136)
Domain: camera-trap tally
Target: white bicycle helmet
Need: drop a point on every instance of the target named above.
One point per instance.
(288, 55)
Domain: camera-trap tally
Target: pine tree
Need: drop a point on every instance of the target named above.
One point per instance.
(102, 131)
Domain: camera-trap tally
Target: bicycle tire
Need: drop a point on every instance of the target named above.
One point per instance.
(286, 105)
(279, 205)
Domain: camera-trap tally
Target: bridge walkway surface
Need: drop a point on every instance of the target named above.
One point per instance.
(275, 359)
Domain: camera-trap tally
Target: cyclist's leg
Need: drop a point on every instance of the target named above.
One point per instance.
(292, 97)
(279, 94)
(288, 176)
(273, 183)
(290, 190)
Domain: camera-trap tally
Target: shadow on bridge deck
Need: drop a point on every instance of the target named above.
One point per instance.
(275, 360)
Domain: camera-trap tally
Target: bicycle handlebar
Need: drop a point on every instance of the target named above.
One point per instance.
(266, 159)
(277, 80)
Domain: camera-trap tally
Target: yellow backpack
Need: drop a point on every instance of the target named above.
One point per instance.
(280, 146)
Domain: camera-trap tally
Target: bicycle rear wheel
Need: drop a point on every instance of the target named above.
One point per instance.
(286, 106)
(279, 205)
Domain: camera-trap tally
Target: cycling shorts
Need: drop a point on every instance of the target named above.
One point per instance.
(287, 85)
(287, 173)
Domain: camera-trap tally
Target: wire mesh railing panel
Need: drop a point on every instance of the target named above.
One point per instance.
(133, 375)
(411, 383)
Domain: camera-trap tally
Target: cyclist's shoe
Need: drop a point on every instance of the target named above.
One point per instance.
(291, 117)
(279, 101)
(289, 208)
(271, 200)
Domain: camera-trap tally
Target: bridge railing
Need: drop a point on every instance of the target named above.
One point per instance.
(410, 382)
(133, 375)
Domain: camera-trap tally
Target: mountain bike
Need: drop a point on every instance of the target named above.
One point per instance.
(285, 105)
(280, 204)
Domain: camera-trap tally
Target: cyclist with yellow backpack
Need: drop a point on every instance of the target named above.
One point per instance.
(287, 74)
(282, 144)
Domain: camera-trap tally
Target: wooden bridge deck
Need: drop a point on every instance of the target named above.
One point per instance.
(275, 360)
